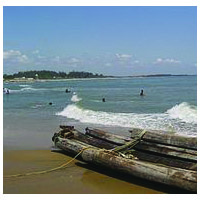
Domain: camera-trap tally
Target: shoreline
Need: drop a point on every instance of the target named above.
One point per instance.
(78, 178)
(97, 78)
(33, 130)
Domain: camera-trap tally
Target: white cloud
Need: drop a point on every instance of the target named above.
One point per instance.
(15, 56)
(108, 64)
(56, 59)
(73, 61)
(166, 61)
(10, 54)
(136, 61)
(123, 56)
(41, 57)
(36, 52)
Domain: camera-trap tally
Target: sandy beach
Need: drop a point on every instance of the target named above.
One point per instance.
(77, 178)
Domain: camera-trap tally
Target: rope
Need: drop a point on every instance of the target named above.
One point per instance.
(130, 144)
(50, 170)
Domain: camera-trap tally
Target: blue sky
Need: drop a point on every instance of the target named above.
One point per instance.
(108, 40)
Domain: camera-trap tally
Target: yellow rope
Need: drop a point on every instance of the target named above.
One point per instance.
(138, 137)
(131, 143)
(46, 171)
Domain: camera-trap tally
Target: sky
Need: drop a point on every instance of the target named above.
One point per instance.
(109, 40)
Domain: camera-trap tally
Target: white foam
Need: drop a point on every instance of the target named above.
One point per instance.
(24, 85)
(185, 112)
(75, 98)
(157, 121)
(27, 89)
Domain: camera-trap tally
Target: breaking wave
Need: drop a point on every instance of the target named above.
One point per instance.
(180, 118)
(26, 89)
(24, 85)
(75, 98)
(185, 112)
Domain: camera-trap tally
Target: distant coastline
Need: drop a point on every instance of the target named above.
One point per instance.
(43, 75)
(160, 75)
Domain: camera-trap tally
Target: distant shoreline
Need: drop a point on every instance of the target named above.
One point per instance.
(160, 75)
(105, 77)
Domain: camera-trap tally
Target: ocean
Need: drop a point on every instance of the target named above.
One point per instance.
(169, 103)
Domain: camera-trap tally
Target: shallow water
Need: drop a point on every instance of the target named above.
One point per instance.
(29, 121)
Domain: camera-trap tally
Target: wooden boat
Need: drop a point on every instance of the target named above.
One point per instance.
(151, 155)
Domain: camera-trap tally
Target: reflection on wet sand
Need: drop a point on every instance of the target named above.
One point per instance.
(77, 178)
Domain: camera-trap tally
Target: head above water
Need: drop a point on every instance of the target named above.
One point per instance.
(141, 92)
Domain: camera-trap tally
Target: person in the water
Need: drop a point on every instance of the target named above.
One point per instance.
(7, 91)
(103, 100)
(142, 93)
(67, 91)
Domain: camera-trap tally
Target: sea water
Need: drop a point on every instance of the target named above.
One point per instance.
(169, 103)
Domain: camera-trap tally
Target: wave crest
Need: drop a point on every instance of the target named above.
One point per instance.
(75, 98)
(185, 112)
(156, 121)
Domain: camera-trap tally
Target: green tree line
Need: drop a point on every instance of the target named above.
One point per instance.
(45, 74)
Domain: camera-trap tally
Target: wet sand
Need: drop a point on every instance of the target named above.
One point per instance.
(77, 178)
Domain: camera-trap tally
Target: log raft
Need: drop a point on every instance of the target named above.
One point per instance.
(98, 147)
(182, 149)
(164, 137)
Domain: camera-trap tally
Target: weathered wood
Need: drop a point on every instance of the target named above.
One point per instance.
(93, 141)
(163, 137)
(115, 139)
(167, 150)
(145, 156)
(177, 177)
(184, 164)
(130, 144)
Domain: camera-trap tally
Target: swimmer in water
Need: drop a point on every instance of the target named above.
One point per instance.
(67, 91)
(7, 91)
(142, 93)
(103, 100)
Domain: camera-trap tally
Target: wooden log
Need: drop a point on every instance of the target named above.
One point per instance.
(154, 158)
(145, 156)
(145, 145)
(186, 164)
(163, 137)
(187, 154)
(93, 141)
(114, 139)
(185, 179)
